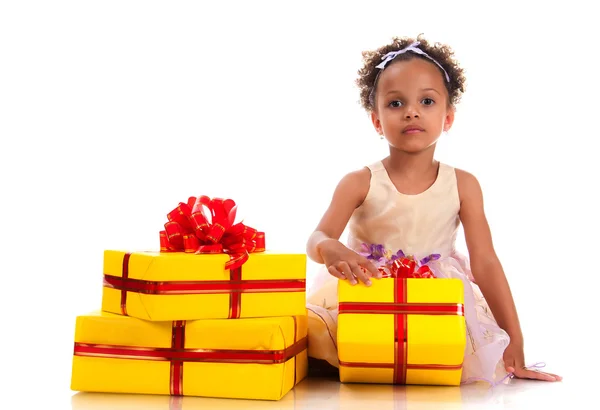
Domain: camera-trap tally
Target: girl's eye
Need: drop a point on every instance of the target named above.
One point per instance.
(428, 101)
(395, 104)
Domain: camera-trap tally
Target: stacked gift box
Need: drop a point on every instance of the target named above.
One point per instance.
(212, 314)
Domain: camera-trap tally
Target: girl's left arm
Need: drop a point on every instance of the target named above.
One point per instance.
(489, 275)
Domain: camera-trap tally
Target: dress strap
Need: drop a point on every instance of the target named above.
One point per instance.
(376, 167)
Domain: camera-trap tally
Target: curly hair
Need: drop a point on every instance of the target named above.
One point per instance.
(443, 54)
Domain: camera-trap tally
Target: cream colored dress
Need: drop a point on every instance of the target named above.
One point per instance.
(418, 225)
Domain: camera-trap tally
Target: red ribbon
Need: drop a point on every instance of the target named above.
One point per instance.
(177, 344)
(191, 230)
(202, 287)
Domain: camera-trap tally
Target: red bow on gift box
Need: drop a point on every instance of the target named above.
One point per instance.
(406, 267)
(191, 230)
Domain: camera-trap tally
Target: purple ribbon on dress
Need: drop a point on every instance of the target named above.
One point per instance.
(379, 254)
(374, 252)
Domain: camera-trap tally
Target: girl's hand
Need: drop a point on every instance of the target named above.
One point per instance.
(343, 263)
(514, 362)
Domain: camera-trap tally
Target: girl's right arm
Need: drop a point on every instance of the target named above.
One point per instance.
(324, 246)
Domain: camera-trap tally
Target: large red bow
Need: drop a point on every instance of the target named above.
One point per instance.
(190, 230)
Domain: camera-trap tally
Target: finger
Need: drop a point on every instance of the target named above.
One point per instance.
(334, 272)
(346, 271)
(371, 268)
(529, 374)
(360, 273)
(509, 365)
(556, 376)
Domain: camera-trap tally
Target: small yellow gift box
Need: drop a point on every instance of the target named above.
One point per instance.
(161, 286)
(402, 331)
(260, 358)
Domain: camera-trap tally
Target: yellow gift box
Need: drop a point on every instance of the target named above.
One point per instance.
(160, 286)
(402, 331)
(260, 358)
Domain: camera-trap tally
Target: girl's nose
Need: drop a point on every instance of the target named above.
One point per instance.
(411, 112)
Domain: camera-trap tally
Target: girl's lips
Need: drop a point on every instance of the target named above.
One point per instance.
(412, 131)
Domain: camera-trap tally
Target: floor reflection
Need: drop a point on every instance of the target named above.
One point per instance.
(312, 393)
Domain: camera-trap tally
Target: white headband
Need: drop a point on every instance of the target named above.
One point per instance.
(413, 47)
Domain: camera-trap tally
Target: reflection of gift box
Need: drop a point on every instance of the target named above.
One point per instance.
(261, 358)
(388, 397)
(105, 401)
(402, 331)
(184, 286)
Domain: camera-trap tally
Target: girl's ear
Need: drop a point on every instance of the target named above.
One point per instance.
(376, 123)
(449, 120)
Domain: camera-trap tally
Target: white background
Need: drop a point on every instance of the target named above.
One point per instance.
(111, 112)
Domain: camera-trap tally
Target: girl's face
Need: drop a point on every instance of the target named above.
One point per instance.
(411, 107)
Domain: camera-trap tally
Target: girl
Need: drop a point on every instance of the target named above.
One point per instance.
(410, 202)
